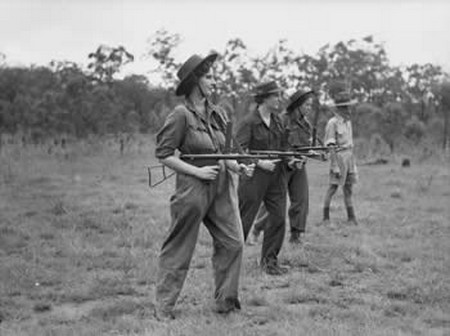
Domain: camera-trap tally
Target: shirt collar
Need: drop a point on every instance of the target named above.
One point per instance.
(340, 118)
(211, 109)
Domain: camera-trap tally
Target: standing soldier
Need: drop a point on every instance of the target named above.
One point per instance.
(205, 192)
(263, 130)
(343, 170)
(299, 132)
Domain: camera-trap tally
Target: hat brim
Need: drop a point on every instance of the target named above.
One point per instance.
(299, 101)
(187, 81)
(266, 93)
(347, 103)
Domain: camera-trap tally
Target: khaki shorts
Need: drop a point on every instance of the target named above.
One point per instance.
(350, 178)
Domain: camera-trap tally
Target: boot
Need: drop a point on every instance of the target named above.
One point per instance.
(273, 268)
(326, 215)
(227, 306)
(253, 237)
(295, 237)
(351, 216)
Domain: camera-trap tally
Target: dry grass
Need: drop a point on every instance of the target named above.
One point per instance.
(80, 233)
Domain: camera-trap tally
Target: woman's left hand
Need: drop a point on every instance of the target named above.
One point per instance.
(247, 170)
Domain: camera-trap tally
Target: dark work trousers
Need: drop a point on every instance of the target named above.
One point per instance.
(298, 190)
(270, 188)
(215, 204)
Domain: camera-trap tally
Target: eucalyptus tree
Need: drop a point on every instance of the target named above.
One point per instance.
(421, 79)
(107, 61)
(444, 91)
(161, 48)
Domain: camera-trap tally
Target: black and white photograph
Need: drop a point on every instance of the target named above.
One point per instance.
(229, 168)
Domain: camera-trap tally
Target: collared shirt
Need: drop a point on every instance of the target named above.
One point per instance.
(298, 130)
(339, 132)
(190, 132)
(254, 134)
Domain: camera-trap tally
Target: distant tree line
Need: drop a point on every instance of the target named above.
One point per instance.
(64, 99)
(411, 102)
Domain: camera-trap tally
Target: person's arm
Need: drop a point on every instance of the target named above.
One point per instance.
(170, 138)
(240, 168)
(244, 134)
(178, 165)
(330, 133)
(330, 141)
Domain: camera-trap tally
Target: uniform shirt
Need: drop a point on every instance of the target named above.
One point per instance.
(254, 134)
(298, 130)
(339, 132)
(188, 131)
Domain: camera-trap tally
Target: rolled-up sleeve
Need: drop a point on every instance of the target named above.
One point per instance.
(170, 136)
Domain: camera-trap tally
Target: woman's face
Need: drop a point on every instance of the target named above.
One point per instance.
(306, 107)
(346, 112)
(273, 102)
(207, 83)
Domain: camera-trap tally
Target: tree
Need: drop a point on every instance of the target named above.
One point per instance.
(161, 49)
(414, 130)
(445, 100)
(106, 61)
(362, 63)
(390, 121)
(420, 80)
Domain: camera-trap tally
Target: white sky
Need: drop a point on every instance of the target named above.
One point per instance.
(38, 31)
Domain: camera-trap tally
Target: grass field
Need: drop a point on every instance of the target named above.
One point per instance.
(80, 232)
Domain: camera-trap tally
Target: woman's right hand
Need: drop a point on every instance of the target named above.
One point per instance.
(268, 165)
(208, 173)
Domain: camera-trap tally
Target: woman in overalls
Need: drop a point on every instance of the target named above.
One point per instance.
(206, 191)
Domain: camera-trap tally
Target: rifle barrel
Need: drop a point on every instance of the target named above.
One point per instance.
(268, 155)
(227, 156)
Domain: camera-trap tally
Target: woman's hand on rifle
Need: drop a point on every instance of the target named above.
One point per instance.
(297, 163)
(268, 165)
(241, 168)
(208, 173)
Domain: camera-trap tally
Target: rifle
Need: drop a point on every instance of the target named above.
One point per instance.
(252, 156)
(165, 175)
(313, 152)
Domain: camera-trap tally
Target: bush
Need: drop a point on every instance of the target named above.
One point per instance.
(414, 130)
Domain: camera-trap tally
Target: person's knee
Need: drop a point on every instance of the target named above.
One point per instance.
(332, 190)
(278, 221)
(348, 189)
(236, 245)
(195, 205)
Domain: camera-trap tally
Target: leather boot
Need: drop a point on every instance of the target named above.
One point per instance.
(351, 216)
(326, 215)
(295, 237)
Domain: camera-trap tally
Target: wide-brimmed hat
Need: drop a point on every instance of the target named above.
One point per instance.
(266, 89)
(298, 98)
(344, 99)
(194, 64)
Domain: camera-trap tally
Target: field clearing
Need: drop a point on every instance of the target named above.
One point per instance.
(80, 233)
